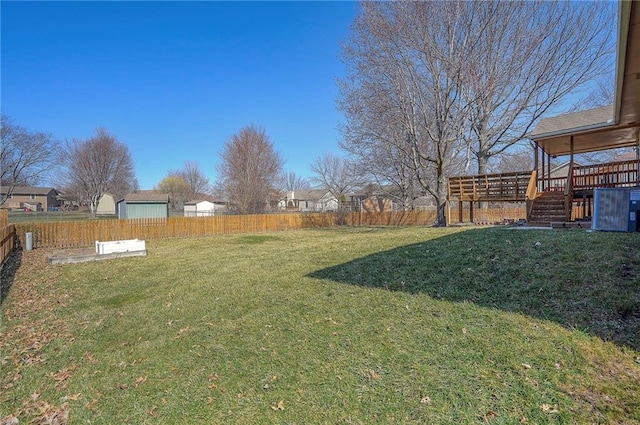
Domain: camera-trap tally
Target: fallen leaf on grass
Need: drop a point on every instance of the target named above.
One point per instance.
(50, 415)
(490, 415)
(89, 357)
(425, 400)
(153, 412)
(330, 320)
(92, 405)
(61, 377)
(9, 420)
(140, 380)
(547, 408)
(278, 406)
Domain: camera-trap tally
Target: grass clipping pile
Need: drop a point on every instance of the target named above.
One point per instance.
(23, 336)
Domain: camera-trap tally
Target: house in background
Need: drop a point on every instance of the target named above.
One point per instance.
(106, 205)
(30, 198)
(205, 206)
(558, 175)
(199, 209)
(316, 200)
(143, 204)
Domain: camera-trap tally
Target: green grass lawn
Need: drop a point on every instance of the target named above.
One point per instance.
(340, 326)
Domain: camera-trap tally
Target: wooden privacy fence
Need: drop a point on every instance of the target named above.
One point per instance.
(7, 236)
(4, 218)
(78, 234)
(7, 241)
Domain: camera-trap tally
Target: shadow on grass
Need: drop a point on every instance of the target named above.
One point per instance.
(8, 273)
(589, 281)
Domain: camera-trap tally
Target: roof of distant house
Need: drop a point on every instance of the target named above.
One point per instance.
(310, 195)
(204, 197)
(28, 190)
(197, 201)
(627, 156)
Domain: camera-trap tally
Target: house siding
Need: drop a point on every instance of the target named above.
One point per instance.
(45, 201)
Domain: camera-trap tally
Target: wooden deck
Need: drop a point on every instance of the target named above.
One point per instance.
(526, 186)
(490, 187)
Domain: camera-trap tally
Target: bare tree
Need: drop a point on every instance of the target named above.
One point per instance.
(525, 58)
(445, 82)
(293, 182)
(601, 95)
(512, 160)
(336, 174)
(402, 90)
(25, 156)
(176, 187)
(196, 180)
(98, 165)
(250, 170)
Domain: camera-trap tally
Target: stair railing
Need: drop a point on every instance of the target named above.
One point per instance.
(532, 192)
(568, 193)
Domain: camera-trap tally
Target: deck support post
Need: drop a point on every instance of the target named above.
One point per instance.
(471, 211)
(448, 216)
(460, 219)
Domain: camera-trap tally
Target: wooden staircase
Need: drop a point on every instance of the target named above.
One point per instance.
(547, 208)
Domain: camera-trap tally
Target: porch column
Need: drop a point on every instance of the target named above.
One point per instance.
(535, 164)
(571, 156)
(543, 170)
(638, 157)
(548, 171)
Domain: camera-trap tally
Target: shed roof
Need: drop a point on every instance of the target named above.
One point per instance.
(148, 196)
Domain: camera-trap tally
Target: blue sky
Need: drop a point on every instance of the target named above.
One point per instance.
(173, 80)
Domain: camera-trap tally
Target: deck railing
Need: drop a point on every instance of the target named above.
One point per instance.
(490, 187)
(589, 177)
(611, 174)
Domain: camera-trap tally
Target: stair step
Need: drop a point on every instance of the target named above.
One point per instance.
(539, 223)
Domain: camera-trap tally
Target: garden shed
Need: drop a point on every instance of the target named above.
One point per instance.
(106, 205)
(143, 204)
(199, 209)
